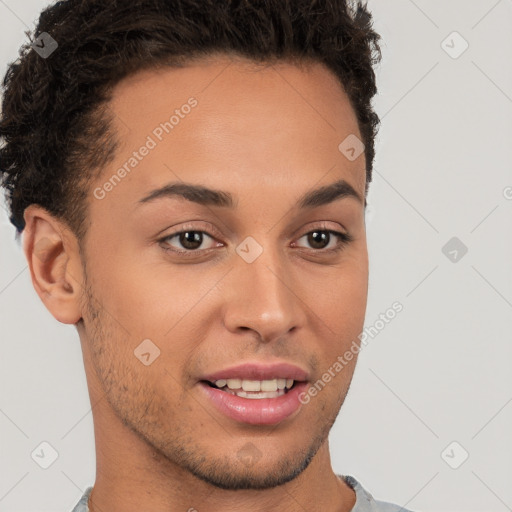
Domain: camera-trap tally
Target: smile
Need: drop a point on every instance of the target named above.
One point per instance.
(255, 389)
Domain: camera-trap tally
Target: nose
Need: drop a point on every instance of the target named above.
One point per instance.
(264, 296)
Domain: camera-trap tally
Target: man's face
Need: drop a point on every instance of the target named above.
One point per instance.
(256, 282)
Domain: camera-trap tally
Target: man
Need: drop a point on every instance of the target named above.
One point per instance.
(190, 179)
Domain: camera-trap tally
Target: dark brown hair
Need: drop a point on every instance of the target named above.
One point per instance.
(55, 129)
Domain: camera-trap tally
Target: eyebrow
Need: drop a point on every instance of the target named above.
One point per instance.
(206, 196)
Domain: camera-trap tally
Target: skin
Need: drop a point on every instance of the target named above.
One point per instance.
(267, 135)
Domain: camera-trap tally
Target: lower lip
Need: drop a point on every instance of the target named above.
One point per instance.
(256, 411)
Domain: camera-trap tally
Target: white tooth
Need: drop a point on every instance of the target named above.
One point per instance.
(289, 383)
(269, 385)
(264, 394)
(251, 385)
(281, 383)
(234, 383)
(267, 394)
(221, 383)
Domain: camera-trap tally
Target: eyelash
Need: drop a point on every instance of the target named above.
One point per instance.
(343, 240)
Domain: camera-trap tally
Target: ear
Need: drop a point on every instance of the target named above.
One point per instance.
(55, 266)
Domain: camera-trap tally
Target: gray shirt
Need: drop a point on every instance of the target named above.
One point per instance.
(364, 500)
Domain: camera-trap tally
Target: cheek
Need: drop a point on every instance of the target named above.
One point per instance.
(141, 298)
(344, 300)
(342, 307)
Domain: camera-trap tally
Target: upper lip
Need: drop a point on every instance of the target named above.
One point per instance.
(259, 371)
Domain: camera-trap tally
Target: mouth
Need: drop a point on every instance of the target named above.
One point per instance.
(254, 389)
(256, 392)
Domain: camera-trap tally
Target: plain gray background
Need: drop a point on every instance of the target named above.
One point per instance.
(431, 388)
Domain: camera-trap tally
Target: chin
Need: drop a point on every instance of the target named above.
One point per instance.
(247, 473)
(232, 479)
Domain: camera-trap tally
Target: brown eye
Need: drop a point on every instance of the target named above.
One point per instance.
(322, 240)
(187, 241)
(319, 239)
(191, 239)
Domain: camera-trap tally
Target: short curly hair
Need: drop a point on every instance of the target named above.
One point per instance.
(55, 125)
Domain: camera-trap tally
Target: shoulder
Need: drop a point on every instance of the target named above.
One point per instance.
(82, 505)
(365, 502)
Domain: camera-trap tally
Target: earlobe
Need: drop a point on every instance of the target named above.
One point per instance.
(52, 255)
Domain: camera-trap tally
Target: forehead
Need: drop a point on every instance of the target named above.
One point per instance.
(229, 119)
